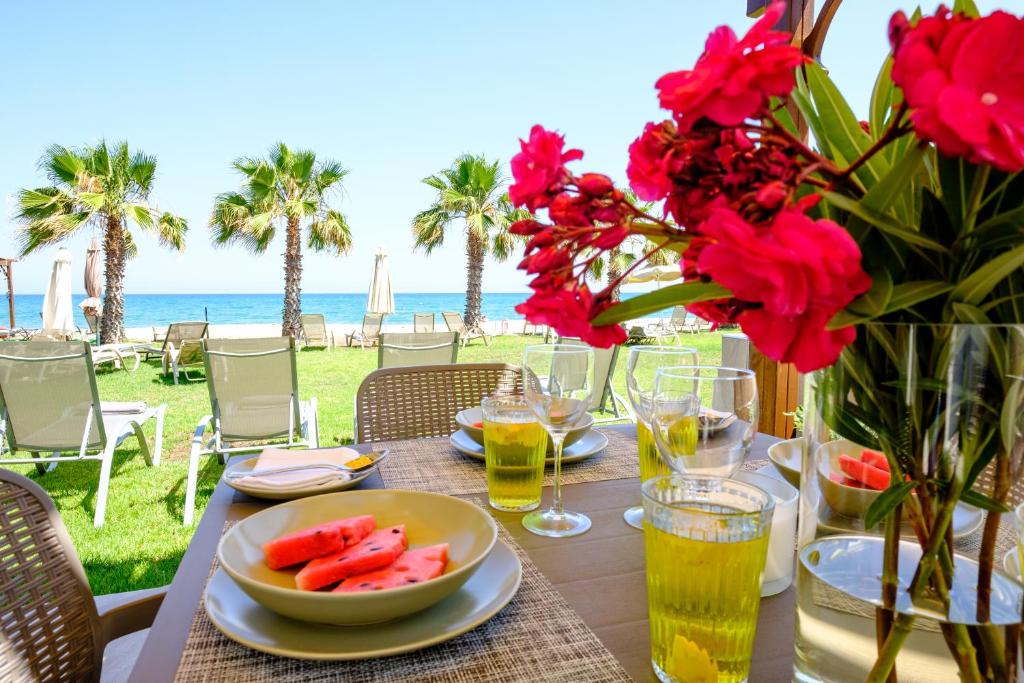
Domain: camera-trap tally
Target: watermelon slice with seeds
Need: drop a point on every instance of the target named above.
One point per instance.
(316, 541)
(870, 476)
(413, 566)
(875, 459)
(376, 551)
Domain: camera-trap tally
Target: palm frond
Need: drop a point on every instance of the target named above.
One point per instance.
(142, 170)
(331, 233)
(131, 249)
(428, 228)
(328, 176)
(50, 230)
(62, 165)
(170, 230)
(235, 220)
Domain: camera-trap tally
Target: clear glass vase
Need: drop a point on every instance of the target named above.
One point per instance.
(912, 570)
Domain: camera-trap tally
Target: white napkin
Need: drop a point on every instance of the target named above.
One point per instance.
(282, 457)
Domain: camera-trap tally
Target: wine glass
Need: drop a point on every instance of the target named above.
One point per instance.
(558, 380)
(704, 418)
(641, 368)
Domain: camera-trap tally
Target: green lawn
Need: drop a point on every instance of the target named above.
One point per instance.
(143, 539)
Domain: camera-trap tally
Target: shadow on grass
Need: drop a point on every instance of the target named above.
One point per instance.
(106, 576)
(210, 470)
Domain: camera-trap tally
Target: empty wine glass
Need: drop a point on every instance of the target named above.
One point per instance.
(557, 381)
(704, 418)
(641, 368)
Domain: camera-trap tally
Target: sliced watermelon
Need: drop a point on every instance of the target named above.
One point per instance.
(870, 476)
(413, 566)
(875, 459)
(377, 550)
(316, 541)
(844, 480)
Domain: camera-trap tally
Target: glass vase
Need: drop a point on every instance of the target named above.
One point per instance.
(912, 459)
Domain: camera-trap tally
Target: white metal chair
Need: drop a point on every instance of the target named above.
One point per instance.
(315, 332)
(369, 333)
(254, 397)
(466, 333)
(400, 349)
(51, 404)
(422, 322)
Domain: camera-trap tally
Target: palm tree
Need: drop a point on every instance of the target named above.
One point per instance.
(106, 188)
(288, 186)
(471, 190)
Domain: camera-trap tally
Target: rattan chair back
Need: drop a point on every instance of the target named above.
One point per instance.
(49, 628)
(407, 403)
(48, 390)
(423, 322)
(254, 387)
(405, 349)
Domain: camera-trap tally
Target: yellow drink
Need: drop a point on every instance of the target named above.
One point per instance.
(704, 564)
(515, 453)
(651, 464)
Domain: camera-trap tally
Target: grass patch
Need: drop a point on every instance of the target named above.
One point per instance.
(143, 540)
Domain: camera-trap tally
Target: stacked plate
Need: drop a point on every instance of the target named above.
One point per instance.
(581, 443)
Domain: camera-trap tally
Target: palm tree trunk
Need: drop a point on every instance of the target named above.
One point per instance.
(290, 322)
(614, 271)
(474, 277)
(112, 323)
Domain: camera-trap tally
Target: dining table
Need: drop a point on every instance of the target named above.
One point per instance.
(600, 574)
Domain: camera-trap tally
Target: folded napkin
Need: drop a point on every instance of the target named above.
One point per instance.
(129, 408)
(282, 457)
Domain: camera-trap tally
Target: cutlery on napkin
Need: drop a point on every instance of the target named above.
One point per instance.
(319, 464)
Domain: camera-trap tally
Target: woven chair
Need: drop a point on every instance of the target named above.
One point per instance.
(254, 397)
(51, 626)
(407, 403)
(466, 333)
(315, 332)
(403, 349)
(422, 322)
(369, 333)
(51, 405)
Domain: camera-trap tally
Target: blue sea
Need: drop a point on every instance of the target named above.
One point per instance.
(142, 310)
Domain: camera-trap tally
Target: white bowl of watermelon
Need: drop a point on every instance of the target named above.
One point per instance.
(851, 476)
(357, 557)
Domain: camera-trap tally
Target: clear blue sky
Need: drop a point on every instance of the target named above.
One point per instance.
(393, 90)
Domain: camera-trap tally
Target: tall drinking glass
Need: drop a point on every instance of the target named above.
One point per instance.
(706, 541)
(558, 380)
(515, 445)
(704, 418)
(641, 368)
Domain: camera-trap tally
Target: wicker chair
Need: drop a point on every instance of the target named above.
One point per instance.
(51, 627)
(408, 403)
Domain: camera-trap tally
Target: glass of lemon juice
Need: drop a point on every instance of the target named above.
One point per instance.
(641, 369)
(515, 447)
(706, 541)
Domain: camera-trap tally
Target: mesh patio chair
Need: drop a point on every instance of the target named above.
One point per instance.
(603, 392)
(407, 403)
(467, 334)
(422, 322)
(51, 405)
(315, 332)
(403, 349)
(52, 628)
(180, 349)
(369, 333)
(254, 397)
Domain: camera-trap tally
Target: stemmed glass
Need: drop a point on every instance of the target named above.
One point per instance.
(704, 418)
(557, 381)
(641, 368)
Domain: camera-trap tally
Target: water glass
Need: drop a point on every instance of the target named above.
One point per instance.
(778, 568)
(558, 380)
(642, 366)
(706, 540)
(704, 418)
(515, 447)
(1018, 524)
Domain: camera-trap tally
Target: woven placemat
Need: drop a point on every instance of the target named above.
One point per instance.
(536, 637)
(433, 465)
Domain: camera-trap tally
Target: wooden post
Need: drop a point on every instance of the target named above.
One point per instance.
(778, 389)
(6, 265)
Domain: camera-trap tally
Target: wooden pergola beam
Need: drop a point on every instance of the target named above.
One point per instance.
(6, 267)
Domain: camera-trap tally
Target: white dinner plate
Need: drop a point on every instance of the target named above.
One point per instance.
(589, 444)
(241, 619)
(328, 485)
(1011, 563)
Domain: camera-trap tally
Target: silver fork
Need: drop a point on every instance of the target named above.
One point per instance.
(377, 457)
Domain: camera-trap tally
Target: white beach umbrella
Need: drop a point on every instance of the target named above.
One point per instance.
(57, 314)
(93, 278)
(654, 274)
(381, 299)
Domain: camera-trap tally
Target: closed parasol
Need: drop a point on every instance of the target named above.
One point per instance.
(381, 299)
(57, 315)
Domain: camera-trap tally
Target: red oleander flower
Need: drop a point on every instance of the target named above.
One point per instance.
(795, 271)
(539, 169)
(733, 78)
(963, 79)
(650, 159)
(569, 311)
